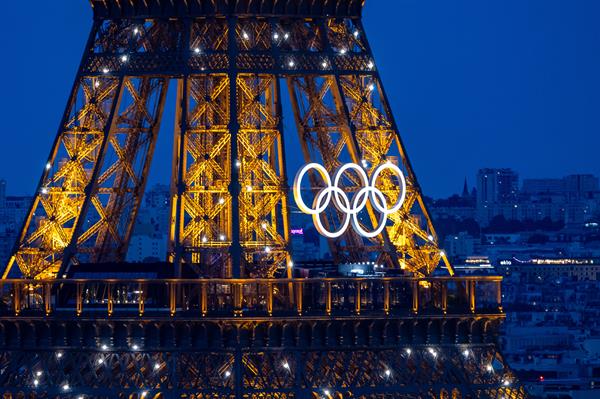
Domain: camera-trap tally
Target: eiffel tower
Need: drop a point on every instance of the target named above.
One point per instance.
(225, 316)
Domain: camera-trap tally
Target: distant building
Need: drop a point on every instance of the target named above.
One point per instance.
(158, 196)
(573, 269)
(551, 334)
(2, 193)
(573, 199)
(497, 186)
(13, 210)
(307, 244)
(460, 246)
(497, 193)
(156, 207)
(502, 238)
(581, 186)
(543, 186)
(148, 241)
(455, 207)
(146, 248)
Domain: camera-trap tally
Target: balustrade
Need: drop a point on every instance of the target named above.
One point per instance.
(252, 297)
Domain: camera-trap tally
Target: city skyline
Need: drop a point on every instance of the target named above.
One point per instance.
(459, 77)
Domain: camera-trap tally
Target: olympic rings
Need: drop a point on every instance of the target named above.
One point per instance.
(349, 208)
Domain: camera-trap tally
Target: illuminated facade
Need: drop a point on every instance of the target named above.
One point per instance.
(242, 327)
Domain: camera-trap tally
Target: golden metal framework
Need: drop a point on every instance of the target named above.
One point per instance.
(201, 212)
(234, 331)
(229, 184)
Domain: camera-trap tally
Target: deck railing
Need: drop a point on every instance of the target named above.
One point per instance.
(251, 297)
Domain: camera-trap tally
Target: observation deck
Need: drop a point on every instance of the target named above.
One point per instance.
(234, 337)
(264, 298)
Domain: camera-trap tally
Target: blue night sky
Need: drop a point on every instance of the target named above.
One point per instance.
(472, 83)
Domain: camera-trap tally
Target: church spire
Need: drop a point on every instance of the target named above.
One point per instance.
(465, 192)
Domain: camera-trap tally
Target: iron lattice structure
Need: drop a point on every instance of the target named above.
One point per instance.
(331, 338)
(244, 328)
(229, 184)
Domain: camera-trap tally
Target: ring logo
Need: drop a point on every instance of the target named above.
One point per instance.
(349, 207)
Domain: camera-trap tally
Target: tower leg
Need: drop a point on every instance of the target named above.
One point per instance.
(66, 181)
(263, 196)
(230, 213)
(411, 230)
(201, 225)
(108, 213)
(88, 196)
(344, 117)
(202, 218)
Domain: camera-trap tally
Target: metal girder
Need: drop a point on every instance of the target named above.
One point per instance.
(201, 231)
(204, 206)
(174, 8)
(64, 186)
(278, 373)
(107, 219)
(92, 187)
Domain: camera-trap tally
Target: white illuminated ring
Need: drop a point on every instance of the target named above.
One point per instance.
(349, 208)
